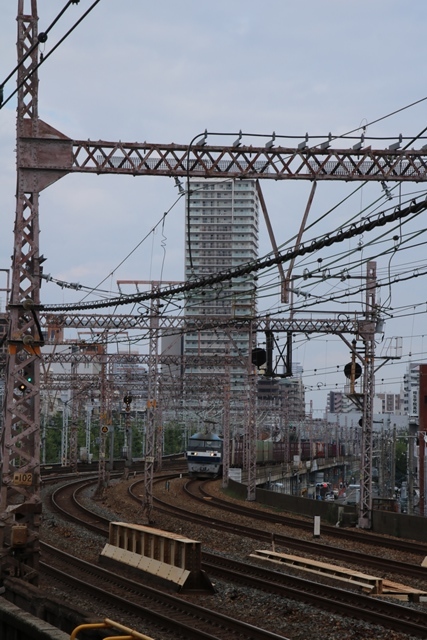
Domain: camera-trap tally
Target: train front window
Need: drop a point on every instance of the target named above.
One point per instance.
(205, 445)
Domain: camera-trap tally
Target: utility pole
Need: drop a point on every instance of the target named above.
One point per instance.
(367, 333)
(104, 422)
(412, 434)
(422, 438)
(127, 443)
(251, 429)
(150, 436)
(75, 405)
(20, 438)
(226, 422)
(159, 425)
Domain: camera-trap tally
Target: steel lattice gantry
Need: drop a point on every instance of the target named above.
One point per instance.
(59, 155)
(20, 437)
(44, 155)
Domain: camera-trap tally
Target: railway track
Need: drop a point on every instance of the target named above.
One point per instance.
(343, 602)
(194, 487)
(169, 613)
(358, 559)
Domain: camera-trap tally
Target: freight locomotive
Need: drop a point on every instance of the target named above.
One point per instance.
(204, 455)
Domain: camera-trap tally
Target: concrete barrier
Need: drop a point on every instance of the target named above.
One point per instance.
(168, 556)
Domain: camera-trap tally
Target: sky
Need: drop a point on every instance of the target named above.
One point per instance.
(165, 72)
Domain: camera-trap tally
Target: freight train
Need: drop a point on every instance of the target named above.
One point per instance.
(204, 455)
(276, 452)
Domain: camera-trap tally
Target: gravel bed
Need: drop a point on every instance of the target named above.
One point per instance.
(290, 619)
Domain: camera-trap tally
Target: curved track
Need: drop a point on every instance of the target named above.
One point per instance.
(178, 617)
(130, 597)
(359, 559)
(360, 536)
(397, 617)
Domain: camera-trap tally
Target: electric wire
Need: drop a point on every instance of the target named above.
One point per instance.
(45, 57)
(342, 234)
(147, 235)
(417, 102)
(42, 38)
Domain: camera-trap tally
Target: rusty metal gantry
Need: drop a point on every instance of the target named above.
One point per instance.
(44, 155)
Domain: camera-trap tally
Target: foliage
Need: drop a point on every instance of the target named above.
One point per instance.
(401, 460)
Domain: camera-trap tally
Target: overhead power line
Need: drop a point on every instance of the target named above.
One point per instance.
(354, 230)
(41, 39)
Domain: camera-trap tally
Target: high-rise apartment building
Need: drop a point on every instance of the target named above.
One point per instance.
(221, 234)
(411, 389)
(390, 402)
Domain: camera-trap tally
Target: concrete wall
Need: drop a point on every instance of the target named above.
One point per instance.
(399, 525)
(16, 624)
(329, 512)
(37, 616)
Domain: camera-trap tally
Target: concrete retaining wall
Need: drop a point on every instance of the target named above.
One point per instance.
(389, 523)
(329, 512)
(400, 525)
(51, 616)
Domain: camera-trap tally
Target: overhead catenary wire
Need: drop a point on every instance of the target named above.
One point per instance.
(147, 235)
(345, 277)
(327, 240)
(42, 38)
(45, 57)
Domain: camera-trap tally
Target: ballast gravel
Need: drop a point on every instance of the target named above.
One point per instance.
(287, 618)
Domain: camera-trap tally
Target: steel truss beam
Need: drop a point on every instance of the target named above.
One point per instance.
(58, 155)
(342, 324)
(367, 334)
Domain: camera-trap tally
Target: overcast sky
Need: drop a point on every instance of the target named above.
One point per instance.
(164, 72)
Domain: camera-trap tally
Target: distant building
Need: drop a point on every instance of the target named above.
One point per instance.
(411, 389)
(282, 394)
(338, 402)
(390, 402)
(221, 233)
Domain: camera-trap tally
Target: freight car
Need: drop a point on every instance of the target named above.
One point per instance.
(276, 452)
(204, 455)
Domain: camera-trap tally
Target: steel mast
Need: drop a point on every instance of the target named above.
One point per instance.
(20, 438)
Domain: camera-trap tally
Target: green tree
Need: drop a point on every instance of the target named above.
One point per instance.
(173, 438)
(401, 461)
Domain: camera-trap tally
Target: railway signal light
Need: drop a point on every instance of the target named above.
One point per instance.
(127, 400)
(259, 356)
(28, 377)
(353, 369)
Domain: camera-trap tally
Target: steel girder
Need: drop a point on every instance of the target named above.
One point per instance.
(343, 323)
(58, 155)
